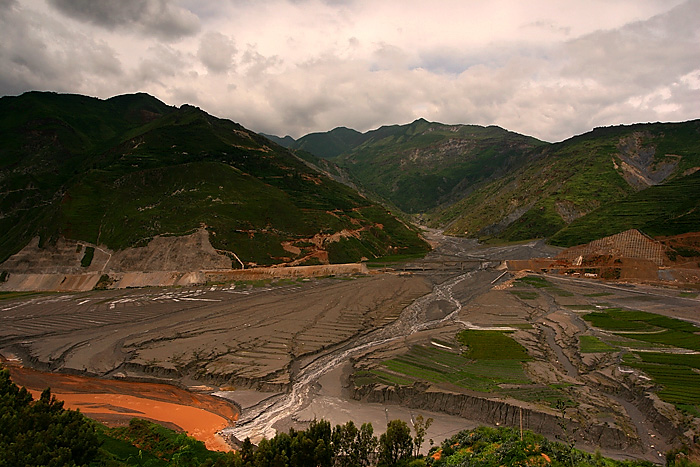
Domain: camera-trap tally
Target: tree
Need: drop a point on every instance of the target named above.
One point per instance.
(396, 444)
(344, 444)
(421, 427)
(366, 445)
(247, 452)
(353, 447)
(41, 432)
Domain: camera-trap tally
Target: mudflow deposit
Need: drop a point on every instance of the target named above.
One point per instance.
(296, 349)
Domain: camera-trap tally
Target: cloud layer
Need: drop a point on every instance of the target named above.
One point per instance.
(546, 68)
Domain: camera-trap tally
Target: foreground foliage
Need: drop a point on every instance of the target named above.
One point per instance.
(41, 432)
(492, 447)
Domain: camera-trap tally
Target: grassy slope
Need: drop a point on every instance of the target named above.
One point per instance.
(330, 144)
(490, 183)
(577, 175)
(120, 171)
(661, 210)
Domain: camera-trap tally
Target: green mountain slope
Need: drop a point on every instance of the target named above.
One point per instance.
(120, 171)
(422, 165)
(661, 210)
(566, 181)
(331, 144)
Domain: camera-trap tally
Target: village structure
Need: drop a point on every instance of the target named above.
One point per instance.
(628, 255)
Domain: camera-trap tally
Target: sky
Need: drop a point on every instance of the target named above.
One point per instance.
(546, 68)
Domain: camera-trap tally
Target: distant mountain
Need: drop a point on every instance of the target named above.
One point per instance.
(422, 165)
(330, 144)
(118, 172)
(491, 183)
(285, 142)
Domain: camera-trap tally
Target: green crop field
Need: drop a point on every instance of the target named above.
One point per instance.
(679, 382)
(491, 358)
(535, 281)
(441, 366)
(591, 344)
(617, 319)
(676, 373)
(525, 294)
(491, 345)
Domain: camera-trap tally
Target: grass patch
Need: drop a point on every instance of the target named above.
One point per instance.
(591, 344)
(538, 282)
(561, 292)
(580, 307)
(439, 366)
(87, 257)
(679, 383)
(525, 294)
(491, 345)
(688, 294)
(378, 376)
(534, 281)
(598, 294)
(492, 358)
(647, 327)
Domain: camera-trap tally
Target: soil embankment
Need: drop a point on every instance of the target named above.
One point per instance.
(493, 412)
(164, 262)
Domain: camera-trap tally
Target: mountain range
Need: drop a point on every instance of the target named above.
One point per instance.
(490, 183)
(122, 171)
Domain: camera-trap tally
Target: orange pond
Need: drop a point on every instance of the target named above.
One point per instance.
(115, 402)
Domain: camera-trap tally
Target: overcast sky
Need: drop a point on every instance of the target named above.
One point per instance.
(546, 68)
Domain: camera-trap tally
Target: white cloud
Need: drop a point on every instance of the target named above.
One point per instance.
(543, 67)
(216, 51)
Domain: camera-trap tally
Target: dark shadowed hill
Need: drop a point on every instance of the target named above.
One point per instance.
(118, 172)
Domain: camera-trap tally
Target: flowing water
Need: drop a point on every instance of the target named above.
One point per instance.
(259, 421)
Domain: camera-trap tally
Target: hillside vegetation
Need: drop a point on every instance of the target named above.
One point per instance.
(121, 171)
(489, 183)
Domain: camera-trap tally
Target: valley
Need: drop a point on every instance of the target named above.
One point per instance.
(348, 347)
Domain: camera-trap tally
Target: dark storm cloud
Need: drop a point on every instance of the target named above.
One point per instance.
(33, 56)
(160, 18)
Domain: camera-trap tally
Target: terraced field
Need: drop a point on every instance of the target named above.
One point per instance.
(468, 370)
(675, 364)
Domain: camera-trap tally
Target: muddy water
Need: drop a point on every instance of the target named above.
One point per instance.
(114, 403)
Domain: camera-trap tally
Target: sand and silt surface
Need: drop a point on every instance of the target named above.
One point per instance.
(246, 361)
